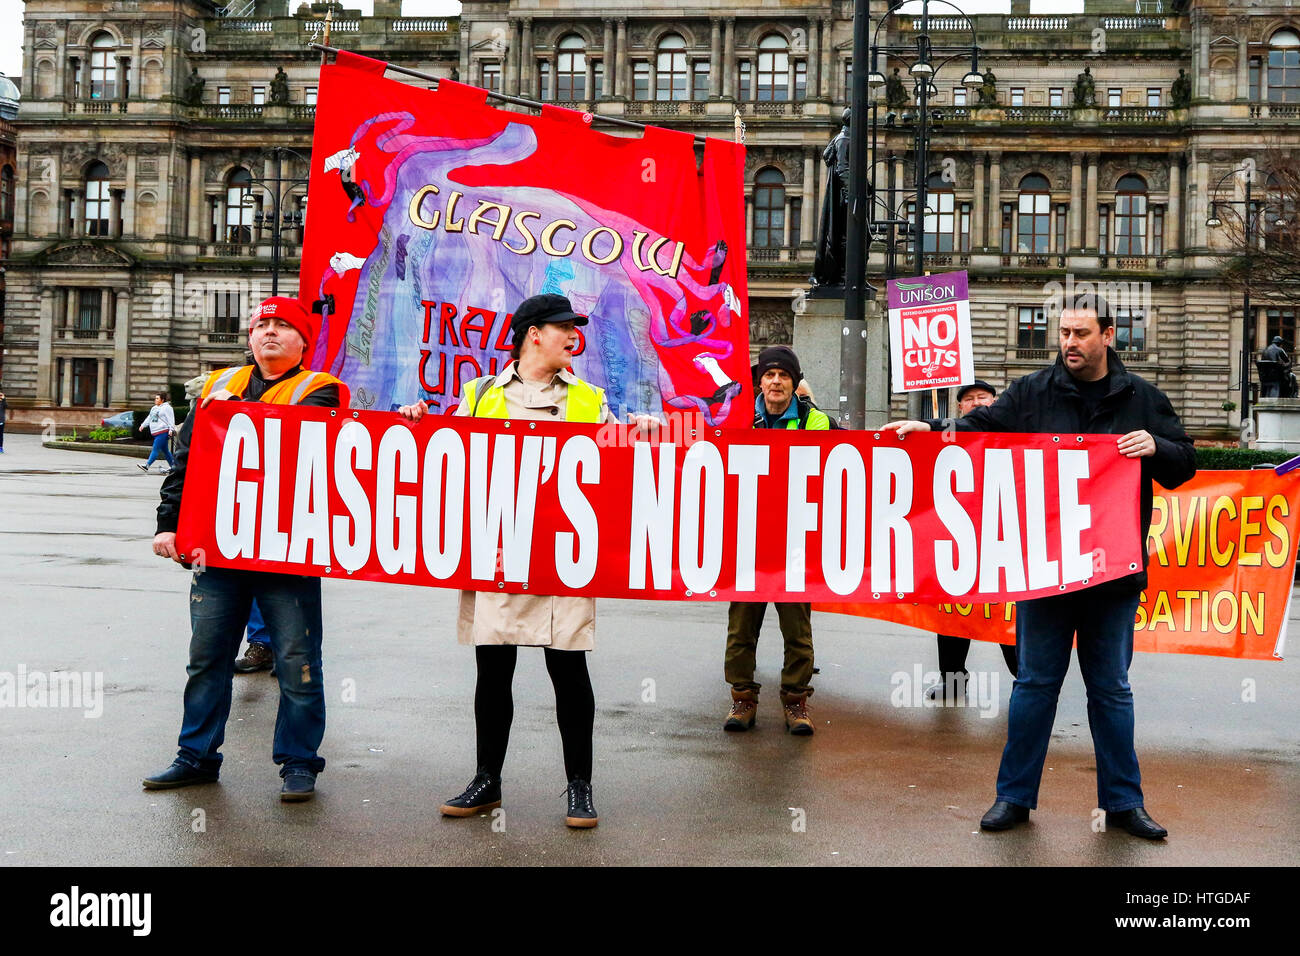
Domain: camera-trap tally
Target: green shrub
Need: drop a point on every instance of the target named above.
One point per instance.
(109, 434)
(1218, 459)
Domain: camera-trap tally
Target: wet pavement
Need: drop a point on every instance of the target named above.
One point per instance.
(81, 591)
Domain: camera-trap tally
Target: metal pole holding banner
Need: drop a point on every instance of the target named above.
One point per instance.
(853, 337)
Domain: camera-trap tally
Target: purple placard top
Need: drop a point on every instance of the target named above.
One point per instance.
(928, 290)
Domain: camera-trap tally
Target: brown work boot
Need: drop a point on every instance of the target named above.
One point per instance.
(744, 710)
(797, 720)
(257, 657)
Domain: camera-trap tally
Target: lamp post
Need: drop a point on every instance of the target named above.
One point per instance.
(919, 57)
(1250, 223)
(274, 187)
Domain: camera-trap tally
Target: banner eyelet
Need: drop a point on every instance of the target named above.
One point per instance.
(501, 585)
(525, 585)
(1056, 438)
(356, 414)
(690, 594)
(900, 595)
(328, 570)
(1086, 580)
(333, 412)
(876, 596)
(1061, 586)
(1133, 567)
(1079, 439)
(532, 424)
(713, 594)
(877, 436)
(507, 424)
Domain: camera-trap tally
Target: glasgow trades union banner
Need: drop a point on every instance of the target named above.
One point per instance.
(1222, 563)
(433, 215)
(556, 508)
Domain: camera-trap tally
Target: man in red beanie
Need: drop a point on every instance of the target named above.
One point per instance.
(279, 335)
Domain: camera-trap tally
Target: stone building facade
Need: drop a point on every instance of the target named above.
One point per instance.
(135, 254)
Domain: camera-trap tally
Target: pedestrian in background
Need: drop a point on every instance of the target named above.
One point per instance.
(161, 422)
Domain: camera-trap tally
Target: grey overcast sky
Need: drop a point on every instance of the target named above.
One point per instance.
(11, 18)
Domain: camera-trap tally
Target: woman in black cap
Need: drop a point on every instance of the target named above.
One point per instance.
(538, 385)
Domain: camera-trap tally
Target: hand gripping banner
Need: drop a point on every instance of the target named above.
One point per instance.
(433, 215)
(554, 508)
(1222, 566)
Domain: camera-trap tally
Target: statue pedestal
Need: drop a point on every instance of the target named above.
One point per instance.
(819, 330)
(1087, 114)
(1277, 424)
(276, 112)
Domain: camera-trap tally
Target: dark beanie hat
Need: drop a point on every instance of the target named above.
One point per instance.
(778, 356)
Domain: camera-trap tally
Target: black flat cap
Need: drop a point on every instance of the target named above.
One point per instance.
(540, 309)
(976, 384)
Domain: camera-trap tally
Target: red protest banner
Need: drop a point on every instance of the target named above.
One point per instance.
(554, 508)
(433, 215)
(1222, 564)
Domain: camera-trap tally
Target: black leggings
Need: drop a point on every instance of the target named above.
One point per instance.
(952, 654)
(494, 706)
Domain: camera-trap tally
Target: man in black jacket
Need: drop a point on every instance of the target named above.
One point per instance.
(1086, 391)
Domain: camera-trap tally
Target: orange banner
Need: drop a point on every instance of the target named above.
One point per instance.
(1222, 563)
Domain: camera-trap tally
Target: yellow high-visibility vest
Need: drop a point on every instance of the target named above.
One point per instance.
(583, 405)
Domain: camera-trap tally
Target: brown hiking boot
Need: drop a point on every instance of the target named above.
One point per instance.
(258, 657)
(744, 710)
(797, 720)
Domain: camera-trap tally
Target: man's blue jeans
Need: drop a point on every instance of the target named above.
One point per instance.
(219, 604)
(257, 632)
(1045, 629)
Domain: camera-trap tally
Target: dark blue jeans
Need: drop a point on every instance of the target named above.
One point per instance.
(257, 632)
(220, 599)
(1045, 629)
(160, 449)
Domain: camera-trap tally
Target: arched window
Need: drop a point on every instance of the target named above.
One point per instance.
(769, 209)
(1033, 233)
(773, 68)
(98, 200)
(7, 193)
(671, 78)
(1131, 216)
(571, 69)
(1284, 67)
(239, 206)
(103, 71)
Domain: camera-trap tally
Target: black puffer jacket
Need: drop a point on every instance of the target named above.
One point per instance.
(1049, 401)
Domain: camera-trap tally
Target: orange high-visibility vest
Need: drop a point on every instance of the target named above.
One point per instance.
(288, 391)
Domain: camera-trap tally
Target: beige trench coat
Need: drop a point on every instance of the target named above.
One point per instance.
(565, 623)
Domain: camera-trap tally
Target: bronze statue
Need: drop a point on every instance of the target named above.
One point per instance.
(988, 95)
(280, 88)
(193, 92)
(895, 92)
(1085, 89)
(1180, 94)
(828, 267)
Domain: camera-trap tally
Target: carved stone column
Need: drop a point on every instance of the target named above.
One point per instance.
(121, 350)
(1090, 205)
(994, 235)
(715, 58)
(978, 214)
(1173, 221)
(1076, 200)
(729, 59)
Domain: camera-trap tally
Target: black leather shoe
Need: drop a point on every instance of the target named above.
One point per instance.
(178, 775)
(1004, 816)
(1137, 822)
(298, 785)
(582, 811)
(483, 793)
